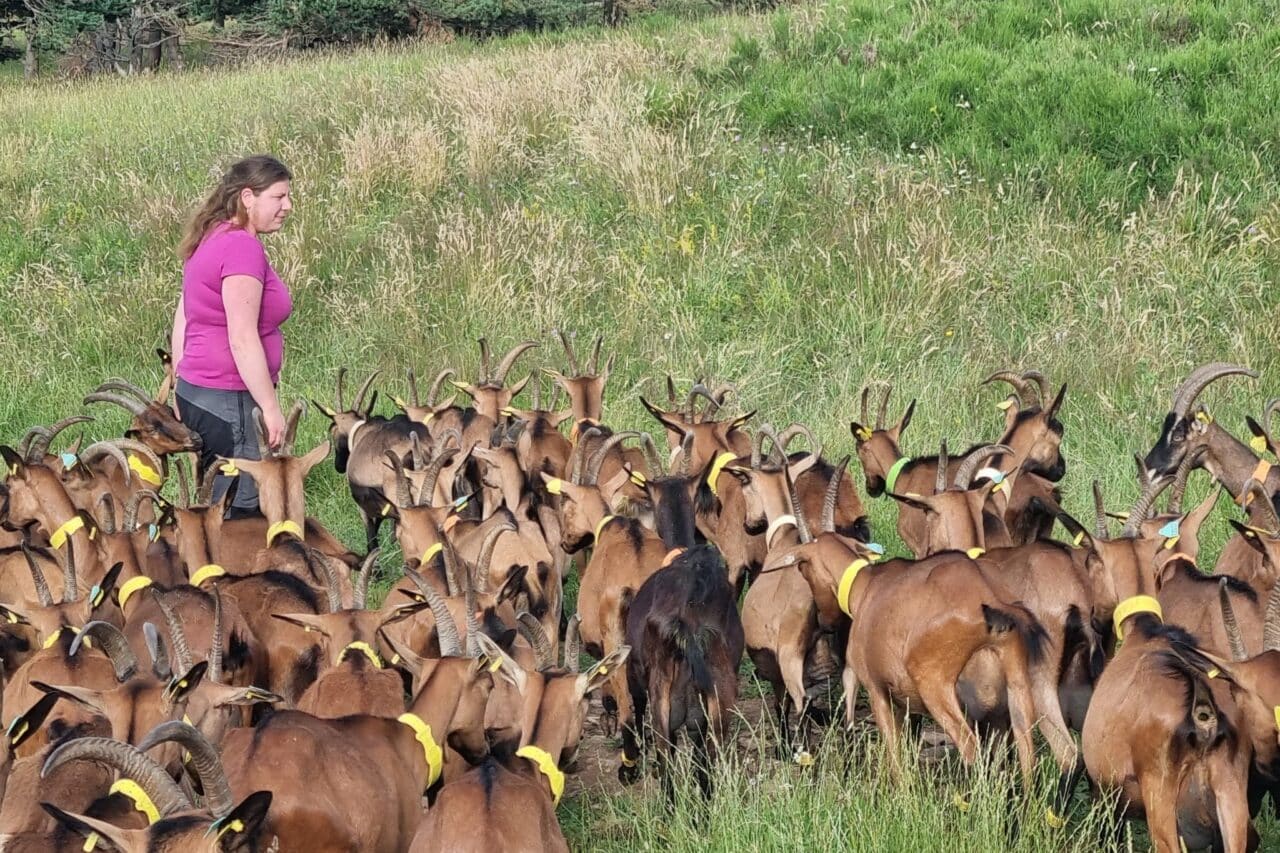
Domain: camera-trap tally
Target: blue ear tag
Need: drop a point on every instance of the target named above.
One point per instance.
(95, 595)
(69, 460)
(997, 477)
(153, 532)
(875, 548)
(459, 503)
(1170, 529)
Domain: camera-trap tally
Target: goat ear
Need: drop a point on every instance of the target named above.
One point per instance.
(560, 378)
(105, 588)
(239, 829)
(1057, 401)
(911, 499)
(860, 432)
(117, 839)
(557, 418)
(11, 458)
(182, 686)
(404, 611)
(12, 616)
(740, 421)
(464, 387)
(906, 420)
(317, 455)
(30, 721)
(1080, 537)
(250, 695)
(305, 621)
(91, 699)
(495, 660)
(1248, 534)
(801, 465)
(325, 410)
(403, 656)
(514, 583)
(600, 672)
(671, 423)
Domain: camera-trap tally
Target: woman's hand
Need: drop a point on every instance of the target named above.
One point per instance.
(273, 419)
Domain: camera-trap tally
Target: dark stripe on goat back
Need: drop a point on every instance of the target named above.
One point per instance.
(1234, 584)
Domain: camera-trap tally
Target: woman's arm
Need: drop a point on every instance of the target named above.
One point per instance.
(177, 341)
(242, 301)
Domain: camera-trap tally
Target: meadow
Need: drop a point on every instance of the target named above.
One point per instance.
(797, 201)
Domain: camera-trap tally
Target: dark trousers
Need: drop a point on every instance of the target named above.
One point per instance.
(224, 420)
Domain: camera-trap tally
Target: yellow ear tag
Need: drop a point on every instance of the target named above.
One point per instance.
(553, 485)
(975, 553)
(1170, 542)
(90, 842)
(386, 510)
(604, 670)
(1004, 405)
(638, 478)
(1204, 417)
(141, 801)
(863, 434)
(1213, 673)
(1258, 443)
(400, 403)
(229, 469)
(496, 665)
(1077, 539)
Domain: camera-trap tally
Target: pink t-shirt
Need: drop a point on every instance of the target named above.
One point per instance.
(206, 353)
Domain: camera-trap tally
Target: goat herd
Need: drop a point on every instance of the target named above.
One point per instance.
(181, 681)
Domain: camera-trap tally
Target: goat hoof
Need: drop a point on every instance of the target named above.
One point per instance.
(629, 775)
(609, 724)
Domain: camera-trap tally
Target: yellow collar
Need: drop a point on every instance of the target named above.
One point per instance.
(717, 466)
(71, 526)
(141, 801)
(285, 526)
(132, 585)
(846, 584)
(145, 472)
(547, 766)
(431, 750)
(600, 526)
(775, 526)
(365, 649)
(431, 552)
(1133, 605)
(204, 573)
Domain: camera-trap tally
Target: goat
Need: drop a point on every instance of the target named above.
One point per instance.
(489, 393)
(1185, 425)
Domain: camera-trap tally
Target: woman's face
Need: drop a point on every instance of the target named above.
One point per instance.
(268, 209)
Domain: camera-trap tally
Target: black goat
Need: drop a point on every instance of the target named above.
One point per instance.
(686, 640)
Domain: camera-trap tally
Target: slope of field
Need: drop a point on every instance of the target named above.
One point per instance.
(797, 202)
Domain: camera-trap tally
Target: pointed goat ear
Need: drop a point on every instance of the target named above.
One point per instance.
(87, 827)
(911, 499)
(740, 421)
(1057, 401)
(29, 722)
(314, 457)
(599, 673)
(238, 829)
(305, 621)
(906, 419)
(675, 425)
(498, 662)
(182, 686)
(1080, 537)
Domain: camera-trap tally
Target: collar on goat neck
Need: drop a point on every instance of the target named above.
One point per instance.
(776, 525)
(717, 467)
(891, 477)
(545, 765)
(600, 525)
(1132, 606)
(281, 527)
(351, 434)
(575, 432)
(431, 749)
(846, 584)
(67, 529)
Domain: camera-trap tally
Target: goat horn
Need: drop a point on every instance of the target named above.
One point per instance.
(450, 558)
(404, 494)
(789, 434)
(216, 643)
(115, 383)
(112, 642)
(24, 444)
(342, 374)
(509, 359)
(1142, 507)
(331, 587)
(686, 454)
(1234, 640)
(1268, 411)
(940, 480)
(415, 452)
(129, 762)
(484, 361)
(159, 654)
(713, 405)
(776, 456)
(572, 642)
(487, 547)
(361, 593)
(1189, 391)
(129, 404)
(296, 414)
(204, 757)
(107, 516)
(863, 411)
(107, 448)
(592, 472)
(135, 501)
(883, 411)
(446, 628)
(1100, 512)
(413, 387)
(1042, 384)
(469, 596)
(1262, 500)
(797, 510)
(651, 455)
(833, 492)
(204, 497)
(427, 496)
(1271, 624)
(569, 353)
(40, 444)
(531, 630)
(671, 392)
(579, 452)
(43, 594)
(70, 586)
(177, 636)
(358, 405)
(1189, 462)
(260, 429)
(969, 467)
(1020, 385)
(433, 393)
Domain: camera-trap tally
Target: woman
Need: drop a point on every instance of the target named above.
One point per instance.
(226, 332)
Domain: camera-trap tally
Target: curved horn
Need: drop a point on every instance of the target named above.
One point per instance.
(531, 629)
(569, 353)
(592, 472)
(700, 390)
(484, 361)
(433, 394)
(1262, 500)
(177, 636)
(111, 640)
(70, 585)
(1100, 513)
(107, 514)
(40, 444)
(1020, 385)
(107, 448)
(864, 411)
(510, 358)
(296, 414)
(940, 481)
(361, 593)
(1142, 507)
(1042, 385)
(580, 452)
(265, 451)
(1271, 625)
(337, 394)
(1189, 391)
(595, 355)
(1234, 640)
(776, 456)
(1189, 462)
(37, 577)
(651, 455)
(331, 586)
(129, 404)
(115, 383)
(487, 547)
(413, 387)
(450, 558)
(1268, 411)
(884, 406)
(129, 762)
(473, 624)
(216, 643)
(427, 495)
(789, 434)
(686, 453)
(446, 628)
(972, 462)
(159, 654)
(135, 501)
(404, 493)
(415, 452)
(358, 405)
(204, 758)
(24, 443)
(829, 500)
(572, 643)
(204, 497)
(797, 509)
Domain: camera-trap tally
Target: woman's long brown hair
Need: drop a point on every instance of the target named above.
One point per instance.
(223, 204)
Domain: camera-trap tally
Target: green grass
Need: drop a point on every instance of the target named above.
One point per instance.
(720, 197)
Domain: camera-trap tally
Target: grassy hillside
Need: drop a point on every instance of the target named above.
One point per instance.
(798, 202)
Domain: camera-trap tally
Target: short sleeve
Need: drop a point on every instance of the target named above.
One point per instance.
(242, 254)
